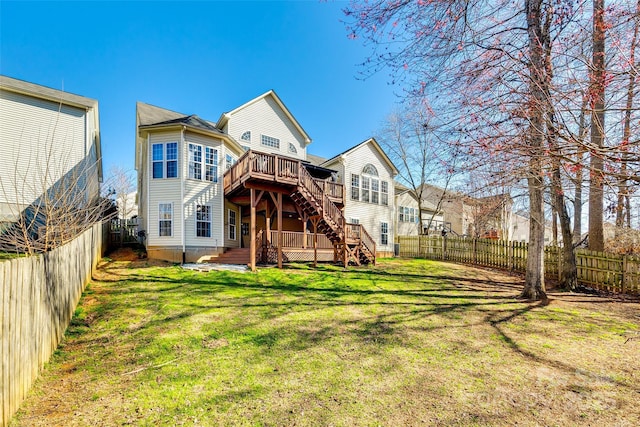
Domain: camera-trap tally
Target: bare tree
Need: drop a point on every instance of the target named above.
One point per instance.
(412, 140)
(122, 184)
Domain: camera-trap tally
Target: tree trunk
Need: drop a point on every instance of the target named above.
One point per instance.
(569, 272)
(577, 200)
(596, 217)
(534, 288)
(623, 189)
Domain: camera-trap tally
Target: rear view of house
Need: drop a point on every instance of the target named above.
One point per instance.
(241, 186)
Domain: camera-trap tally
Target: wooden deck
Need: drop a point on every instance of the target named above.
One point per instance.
(262, 181)
(262, 170)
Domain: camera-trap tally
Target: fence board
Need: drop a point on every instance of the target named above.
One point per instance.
(599, 270)
(38, 296)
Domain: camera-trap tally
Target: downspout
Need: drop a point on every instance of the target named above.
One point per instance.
(145, 211)
(182, 179)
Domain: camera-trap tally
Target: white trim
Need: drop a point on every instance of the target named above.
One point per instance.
(210, 221)
(172, 231)
(235, 238)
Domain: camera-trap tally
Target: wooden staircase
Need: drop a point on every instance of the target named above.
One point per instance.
(352, 244)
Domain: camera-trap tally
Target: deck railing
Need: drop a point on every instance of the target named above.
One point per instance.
(291, 171)
(331, 189)
(300, 240)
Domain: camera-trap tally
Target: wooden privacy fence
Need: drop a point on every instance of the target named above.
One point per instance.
(38, 295)
(598, 270)
(123, 231)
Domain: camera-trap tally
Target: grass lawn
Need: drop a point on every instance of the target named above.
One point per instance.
(410, 342)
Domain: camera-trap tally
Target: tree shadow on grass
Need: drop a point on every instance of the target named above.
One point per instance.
(262, 299)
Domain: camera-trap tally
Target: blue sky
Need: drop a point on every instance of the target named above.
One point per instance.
(201, 58)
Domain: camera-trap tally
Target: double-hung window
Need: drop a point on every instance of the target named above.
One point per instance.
(195, 161)
(384, 233)
(203, 168)
(229, 161)
(355, 187)
(365, 188)
(203, 221)
(384, 193)
(165, 219)
(375, 190)
(232, 224)
(164, 158)
(210, 164)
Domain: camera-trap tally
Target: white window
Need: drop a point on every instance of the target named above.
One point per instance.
(229, 161)
(354, 220)
(199, 169)
(384, 233)
(195, 161)
(401, 214)
(210, 164)
(369, 169)
(232, 224)
(384, 195)
(355, 187)
(269, 141)
(203, 221)
(375, 191)
(165, 219)
(292, 148)
(246, 136)
(365, 189)
(164, 157)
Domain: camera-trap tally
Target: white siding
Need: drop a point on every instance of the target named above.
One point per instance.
(42, 141)
(164, 190)
(265, 117)
(370, 215)
(203, 193)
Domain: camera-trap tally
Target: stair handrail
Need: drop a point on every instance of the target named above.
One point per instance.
(329, 209)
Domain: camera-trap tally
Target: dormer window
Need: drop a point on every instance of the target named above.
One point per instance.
(292, 148)
(246, 136)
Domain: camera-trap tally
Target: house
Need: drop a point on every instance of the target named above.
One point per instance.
(453, 212)
(51, 157)
(243, 189)
(368, 175)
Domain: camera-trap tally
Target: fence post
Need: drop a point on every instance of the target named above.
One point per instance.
(624, 277)
(444, 247)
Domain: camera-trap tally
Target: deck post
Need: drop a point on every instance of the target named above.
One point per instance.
(314, 222)
(267, 216)
(345, 254)
(252, 234)
(279, 230)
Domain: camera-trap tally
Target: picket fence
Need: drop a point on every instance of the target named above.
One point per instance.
(598, 270)
(38, 296)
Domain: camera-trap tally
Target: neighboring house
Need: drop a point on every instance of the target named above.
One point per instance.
(50, 150)
(244, 190)
(456, 213)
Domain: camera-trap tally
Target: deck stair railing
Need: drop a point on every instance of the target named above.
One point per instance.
(314, 198)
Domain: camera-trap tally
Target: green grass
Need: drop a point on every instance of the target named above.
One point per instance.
(403, 343)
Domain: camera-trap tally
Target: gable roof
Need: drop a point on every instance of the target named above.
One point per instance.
(375, 145)
(43, 92)
(272, 94)
(151, 117)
